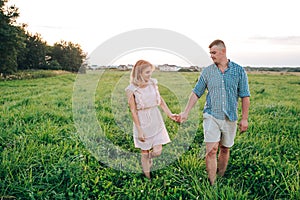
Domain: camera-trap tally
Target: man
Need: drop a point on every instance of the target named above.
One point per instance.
(225, 82)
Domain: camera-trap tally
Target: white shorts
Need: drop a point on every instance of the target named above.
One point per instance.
(216, 130)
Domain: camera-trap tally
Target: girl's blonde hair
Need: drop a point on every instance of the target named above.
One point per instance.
(135, 77)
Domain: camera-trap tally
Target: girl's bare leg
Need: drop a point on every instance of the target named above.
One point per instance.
(145, 159)
(156, 151)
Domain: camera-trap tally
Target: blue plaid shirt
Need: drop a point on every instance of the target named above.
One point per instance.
(223, 90)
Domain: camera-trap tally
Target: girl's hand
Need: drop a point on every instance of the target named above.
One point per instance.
(175, 117)
(141, 136)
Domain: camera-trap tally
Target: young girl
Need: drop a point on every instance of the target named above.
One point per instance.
(149, 131)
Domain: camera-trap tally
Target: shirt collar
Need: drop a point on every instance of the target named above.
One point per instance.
(229, 63)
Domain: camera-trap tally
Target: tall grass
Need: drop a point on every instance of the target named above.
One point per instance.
(43, 157)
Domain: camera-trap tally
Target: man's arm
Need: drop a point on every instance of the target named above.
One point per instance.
(243, 126)
(192, 101)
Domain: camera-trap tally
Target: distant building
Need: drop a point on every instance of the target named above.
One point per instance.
(122, 67)
(129, 66)
(169, 68)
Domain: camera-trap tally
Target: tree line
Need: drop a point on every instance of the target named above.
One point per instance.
(20, 49)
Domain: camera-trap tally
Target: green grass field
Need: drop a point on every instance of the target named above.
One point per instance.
(50, 147)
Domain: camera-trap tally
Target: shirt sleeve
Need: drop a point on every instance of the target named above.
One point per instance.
(201, 84)
(243, 90)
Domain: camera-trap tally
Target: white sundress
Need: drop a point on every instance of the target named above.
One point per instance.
(147, 100)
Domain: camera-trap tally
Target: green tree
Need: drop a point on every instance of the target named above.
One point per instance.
(34, 57)
(11, 38)
(70, 56)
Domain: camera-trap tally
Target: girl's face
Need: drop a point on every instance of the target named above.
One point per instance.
(146, 73)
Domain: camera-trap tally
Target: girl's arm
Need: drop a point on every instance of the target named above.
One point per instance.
(166, 109)
(136, 121)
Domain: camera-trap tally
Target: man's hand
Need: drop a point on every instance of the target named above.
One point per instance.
(182, 117)
(243, 126)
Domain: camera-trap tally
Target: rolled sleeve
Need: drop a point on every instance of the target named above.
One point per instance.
(243, 85)
(200, 86)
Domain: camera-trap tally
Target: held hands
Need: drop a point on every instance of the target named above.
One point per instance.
(182, 117)
(174, 117)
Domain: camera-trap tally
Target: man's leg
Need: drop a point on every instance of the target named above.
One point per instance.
(227, 141)
(211, 160)
(223, 159)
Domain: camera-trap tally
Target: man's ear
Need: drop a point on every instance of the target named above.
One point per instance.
(224, 51)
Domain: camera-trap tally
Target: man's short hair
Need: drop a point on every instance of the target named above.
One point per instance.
(218, 43)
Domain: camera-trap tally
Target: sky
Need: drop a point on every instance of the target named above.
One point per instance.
(260, 33)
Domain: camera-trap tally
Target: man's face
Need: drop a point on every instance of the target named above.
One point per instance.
(216, 54)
